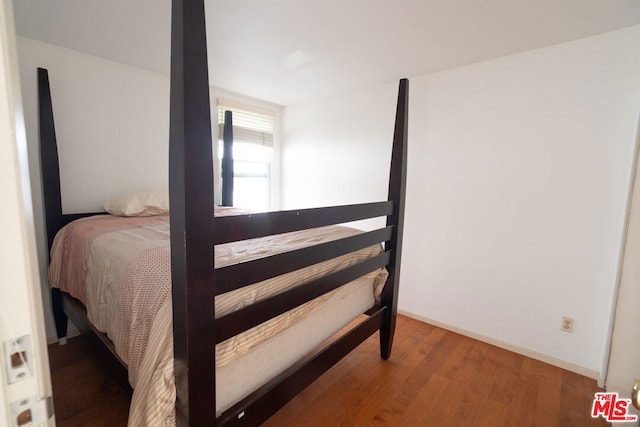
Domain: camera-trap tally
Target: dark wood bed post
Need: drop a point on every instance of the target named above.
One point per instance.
(397, 193)
(50, 185)
(227, 160)
(191, 199)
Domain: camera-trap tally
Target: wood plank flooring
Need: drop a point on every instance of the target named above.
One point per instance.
(434, 378)
(86, 391)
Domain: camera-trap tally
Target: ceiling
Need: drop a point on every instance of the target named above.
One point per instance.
(288, 51)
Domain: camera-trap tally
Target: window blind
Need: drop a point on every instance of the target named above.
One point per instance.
(250, 126)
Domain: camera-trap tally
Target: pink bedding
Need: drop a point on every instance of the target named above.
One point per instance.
(120, 269)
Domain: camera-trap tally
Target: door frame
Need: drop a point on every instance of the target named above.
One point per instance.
(27, 384)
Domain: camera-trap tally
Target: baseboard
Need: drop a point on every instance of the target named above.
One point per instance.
(589, 373)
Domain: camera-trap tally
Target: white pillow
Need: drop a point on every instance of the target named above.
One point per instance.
(144, 203)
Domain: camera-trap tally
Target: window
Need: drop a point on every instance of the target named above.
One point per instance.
(252, 154)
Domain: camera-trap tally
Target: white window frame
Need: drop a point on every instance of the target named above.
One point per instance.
(273, 169)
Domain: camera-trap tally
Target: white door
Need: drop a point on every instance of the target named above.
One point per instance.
(624, 359)
(25, 383)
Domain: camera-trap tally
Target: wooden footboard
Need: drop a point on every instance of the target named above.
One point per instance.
(195, 232)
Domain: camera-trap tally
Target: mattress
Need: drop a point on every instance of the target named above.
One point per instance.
(119, 268)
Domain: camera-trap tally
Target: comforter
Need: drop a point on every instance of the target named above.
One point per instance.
(119, 268)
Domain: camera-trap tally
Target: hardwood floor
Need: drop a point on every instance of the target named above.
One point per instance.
(434, 378)
(86, 390)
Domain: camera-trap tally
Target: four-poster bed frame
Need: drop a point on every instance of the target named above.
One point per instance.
(195, 231)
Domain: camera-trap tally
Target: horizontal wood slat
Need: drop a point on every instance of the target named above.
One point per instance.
(242, 227)
(236, 276)
(275, 394)
(259, 312)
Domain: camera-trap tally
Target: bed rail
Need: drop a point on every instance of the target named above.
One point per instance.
(259, 312)
(236, 276)
(265, 401)
(242, 227)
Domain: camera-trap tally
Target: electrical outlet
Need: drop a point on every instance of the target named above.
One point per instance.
(567, 324)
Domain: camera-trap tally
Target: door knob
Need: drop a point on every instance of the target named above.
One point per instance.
(635, 394)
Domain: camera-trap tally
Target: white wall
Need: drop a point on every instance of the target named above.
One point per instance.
(519, 169)
(338, 150)
(112, 123)
(112, 127)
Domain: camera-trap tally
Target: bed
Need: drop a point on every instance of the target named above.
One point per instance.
(188, 322)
